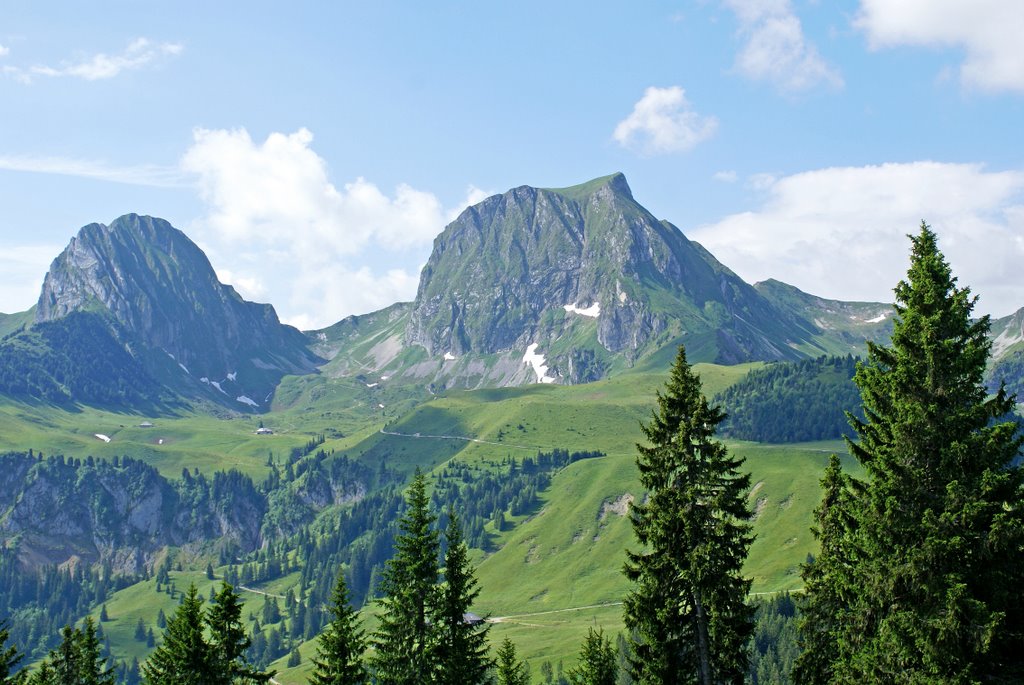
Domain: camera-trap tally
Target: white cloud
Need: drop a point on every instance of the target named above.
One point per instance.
(841, 232)
(662, 122)
(275, 218)
(22, 268)
(989, 31)
(139, 53)
(4, 51)
(725, 176)
(775, 48)
(144, 175)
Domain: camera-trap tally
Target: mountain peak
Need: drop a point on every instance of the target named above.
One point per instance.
(160, 297)
(616, 183)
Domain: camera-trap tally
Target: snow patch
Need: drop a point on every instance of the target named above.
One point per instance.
(183, 368)
(217, 385)
(204, 379)
(247, 400)
(233, 375)
(878, 319)
(537, 361)
(449, 357)
(101, 436)
(372, 385)
(322, 337)
(384, 378)
(593, 311)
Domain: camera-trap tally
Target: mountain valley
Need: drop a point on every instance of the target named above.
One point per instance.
(545, 322)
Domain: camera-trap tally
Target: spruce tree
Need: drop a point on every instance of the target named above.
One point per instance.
(509, 669)
(339, 655)
(184, 657)
(405, 640)
(91, 665)
(937, 525)
(462, 647)
(598, 664)
(826, 582)
(228, 640)
(688, 607)
(9, 659)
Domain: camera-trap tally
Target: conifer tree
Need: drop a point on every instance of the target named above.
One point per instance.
(598, 664)
(91, 665)
(339, 659)
(510, 670)
(405, 639)
(826, 582)
(462, 647)
(228, 640)
(184, 657)
(937, 524)
(9, 659)
(688, 607)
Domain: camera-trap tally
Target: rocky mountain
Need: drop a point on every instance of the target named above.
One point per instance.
(157, 298)
(120, 513)
(568, 285)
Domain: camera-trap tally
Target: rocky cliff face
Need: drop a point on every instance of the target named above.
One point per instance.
(163, 301)
(535, 266)
(119, 514)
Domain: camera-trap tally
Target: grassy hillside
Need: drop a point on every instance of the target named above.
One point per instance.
(557, 568)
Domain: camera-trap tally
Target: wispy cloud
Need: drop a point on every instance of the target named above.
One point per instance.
(662, 121)
(841, 232)
(989, 31)
(4, 51)
(775, 49)
(139, 53)
(141, 175)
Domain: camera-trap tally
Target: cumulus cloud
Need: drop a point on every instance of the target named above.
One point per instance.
(275, 218)
(4, 51)
(841, 232)
(989, 32)
(775, 48)
(139, 53)
(663, 122)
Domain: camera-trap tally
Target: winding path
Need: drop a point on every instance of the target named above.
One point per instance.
(420, 436)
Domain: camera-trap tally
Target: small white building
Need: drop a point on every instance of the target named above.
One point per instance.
(264, 431)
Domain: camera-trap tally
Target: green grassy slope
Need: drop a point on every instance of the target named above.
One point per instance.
(557, 569)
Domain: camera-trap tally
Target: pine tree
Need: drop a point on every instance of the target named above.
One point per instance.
(228, 640)
(688, 607)
(598, 663)
(91, 665)
(184, 657)
(510, 670)
(937, 524)
(9, 659)
(826, 581)
(462, 647)
(140, 630)
(405, 640)
(64, 660)
(341, 645)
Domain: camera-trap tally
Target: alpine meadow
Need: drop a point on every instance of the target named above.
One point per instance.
(673, 343)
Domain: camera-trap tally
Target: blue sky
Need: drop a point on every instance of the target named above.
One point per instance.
(314, 150)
